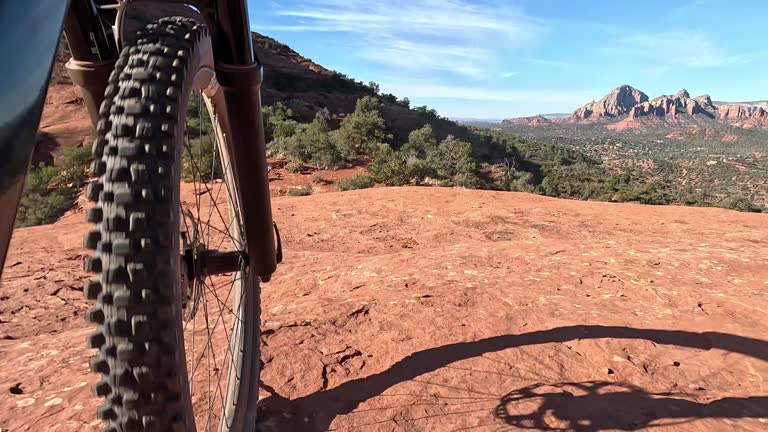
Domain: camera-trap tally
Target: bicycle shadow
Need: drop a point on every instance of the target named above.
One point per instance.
(316, 411)
(596, 406)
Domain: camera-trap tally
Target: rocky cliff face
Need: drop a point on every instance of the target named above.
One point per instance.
(744, 116)
(672, 105)
(627, 107)
(733, 112)
(616, 103)
(634, 103)
(705, 101)
(740, 111)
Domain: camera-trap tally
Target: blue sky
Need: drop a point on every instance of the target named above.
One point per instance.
(505, 58)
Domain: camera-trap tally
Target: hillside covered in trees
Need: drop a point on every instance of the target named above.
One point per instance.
(319, 119)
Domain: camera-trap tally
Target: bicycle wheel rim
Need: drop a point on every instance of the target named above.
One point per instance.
(226, 320)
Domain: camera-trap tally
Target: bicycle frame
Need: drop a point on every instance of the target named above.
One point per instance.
(95, 43)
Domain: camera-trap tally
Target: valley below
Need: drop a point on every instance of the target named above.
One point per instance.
(717, 149)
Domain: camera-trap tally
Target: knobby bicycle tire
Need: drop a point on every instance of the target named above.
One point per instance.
(138, 312)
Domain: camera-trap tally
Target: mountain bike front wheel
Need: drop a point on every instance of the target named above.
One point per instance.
(177, 307)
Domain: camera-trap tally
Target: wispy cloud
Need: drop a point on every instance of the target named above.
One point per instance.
(438, 91)
(549, 63)
(671, 49)
(420, 35)
(483, 102)
(508, 74)
(401, 55)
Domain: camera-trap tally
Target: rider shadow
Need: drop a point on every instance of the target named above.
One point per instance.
(597, 406)
(316, 411)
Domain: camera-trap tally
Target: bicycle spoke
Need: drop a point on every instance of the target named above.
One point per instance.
(212, 178)
(192, 357)
(212, 352)
(208, 349)
(210, 229)
(220, 318)
(208, 191)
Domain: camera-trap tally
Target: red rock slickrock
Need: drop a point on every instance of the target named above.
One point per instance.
(64, 116)
(435, 309)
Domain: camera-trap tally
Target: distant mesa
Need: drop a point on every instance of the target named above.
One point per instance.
(733, 112)
(625, 106)
(556, 116)
(529, 121)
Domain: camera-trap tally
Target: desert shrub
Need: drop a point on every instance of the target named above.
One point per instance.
(283, 129)
(522, 182)
(198, 122)
(741, 203)
(389, 98)
(421, 143)
(390, 167)
(362, 130)
(421, 157)
(419, 169)
(514, 178)
(467, 181)
(313, 143)
(584, 181)
(300, 190)
(278, 121)
(649, 193)
(46, 208)
(318, 177)
(452, 159)
(295, 167)
(374, 86)
(73, 164)
(359, 181)
(426, 113)
(201, 161)
(49, 191)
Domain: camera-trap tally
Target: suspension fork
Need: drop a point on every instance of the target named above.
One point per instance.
(94, 52)
(240, 74)
(242, 119)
